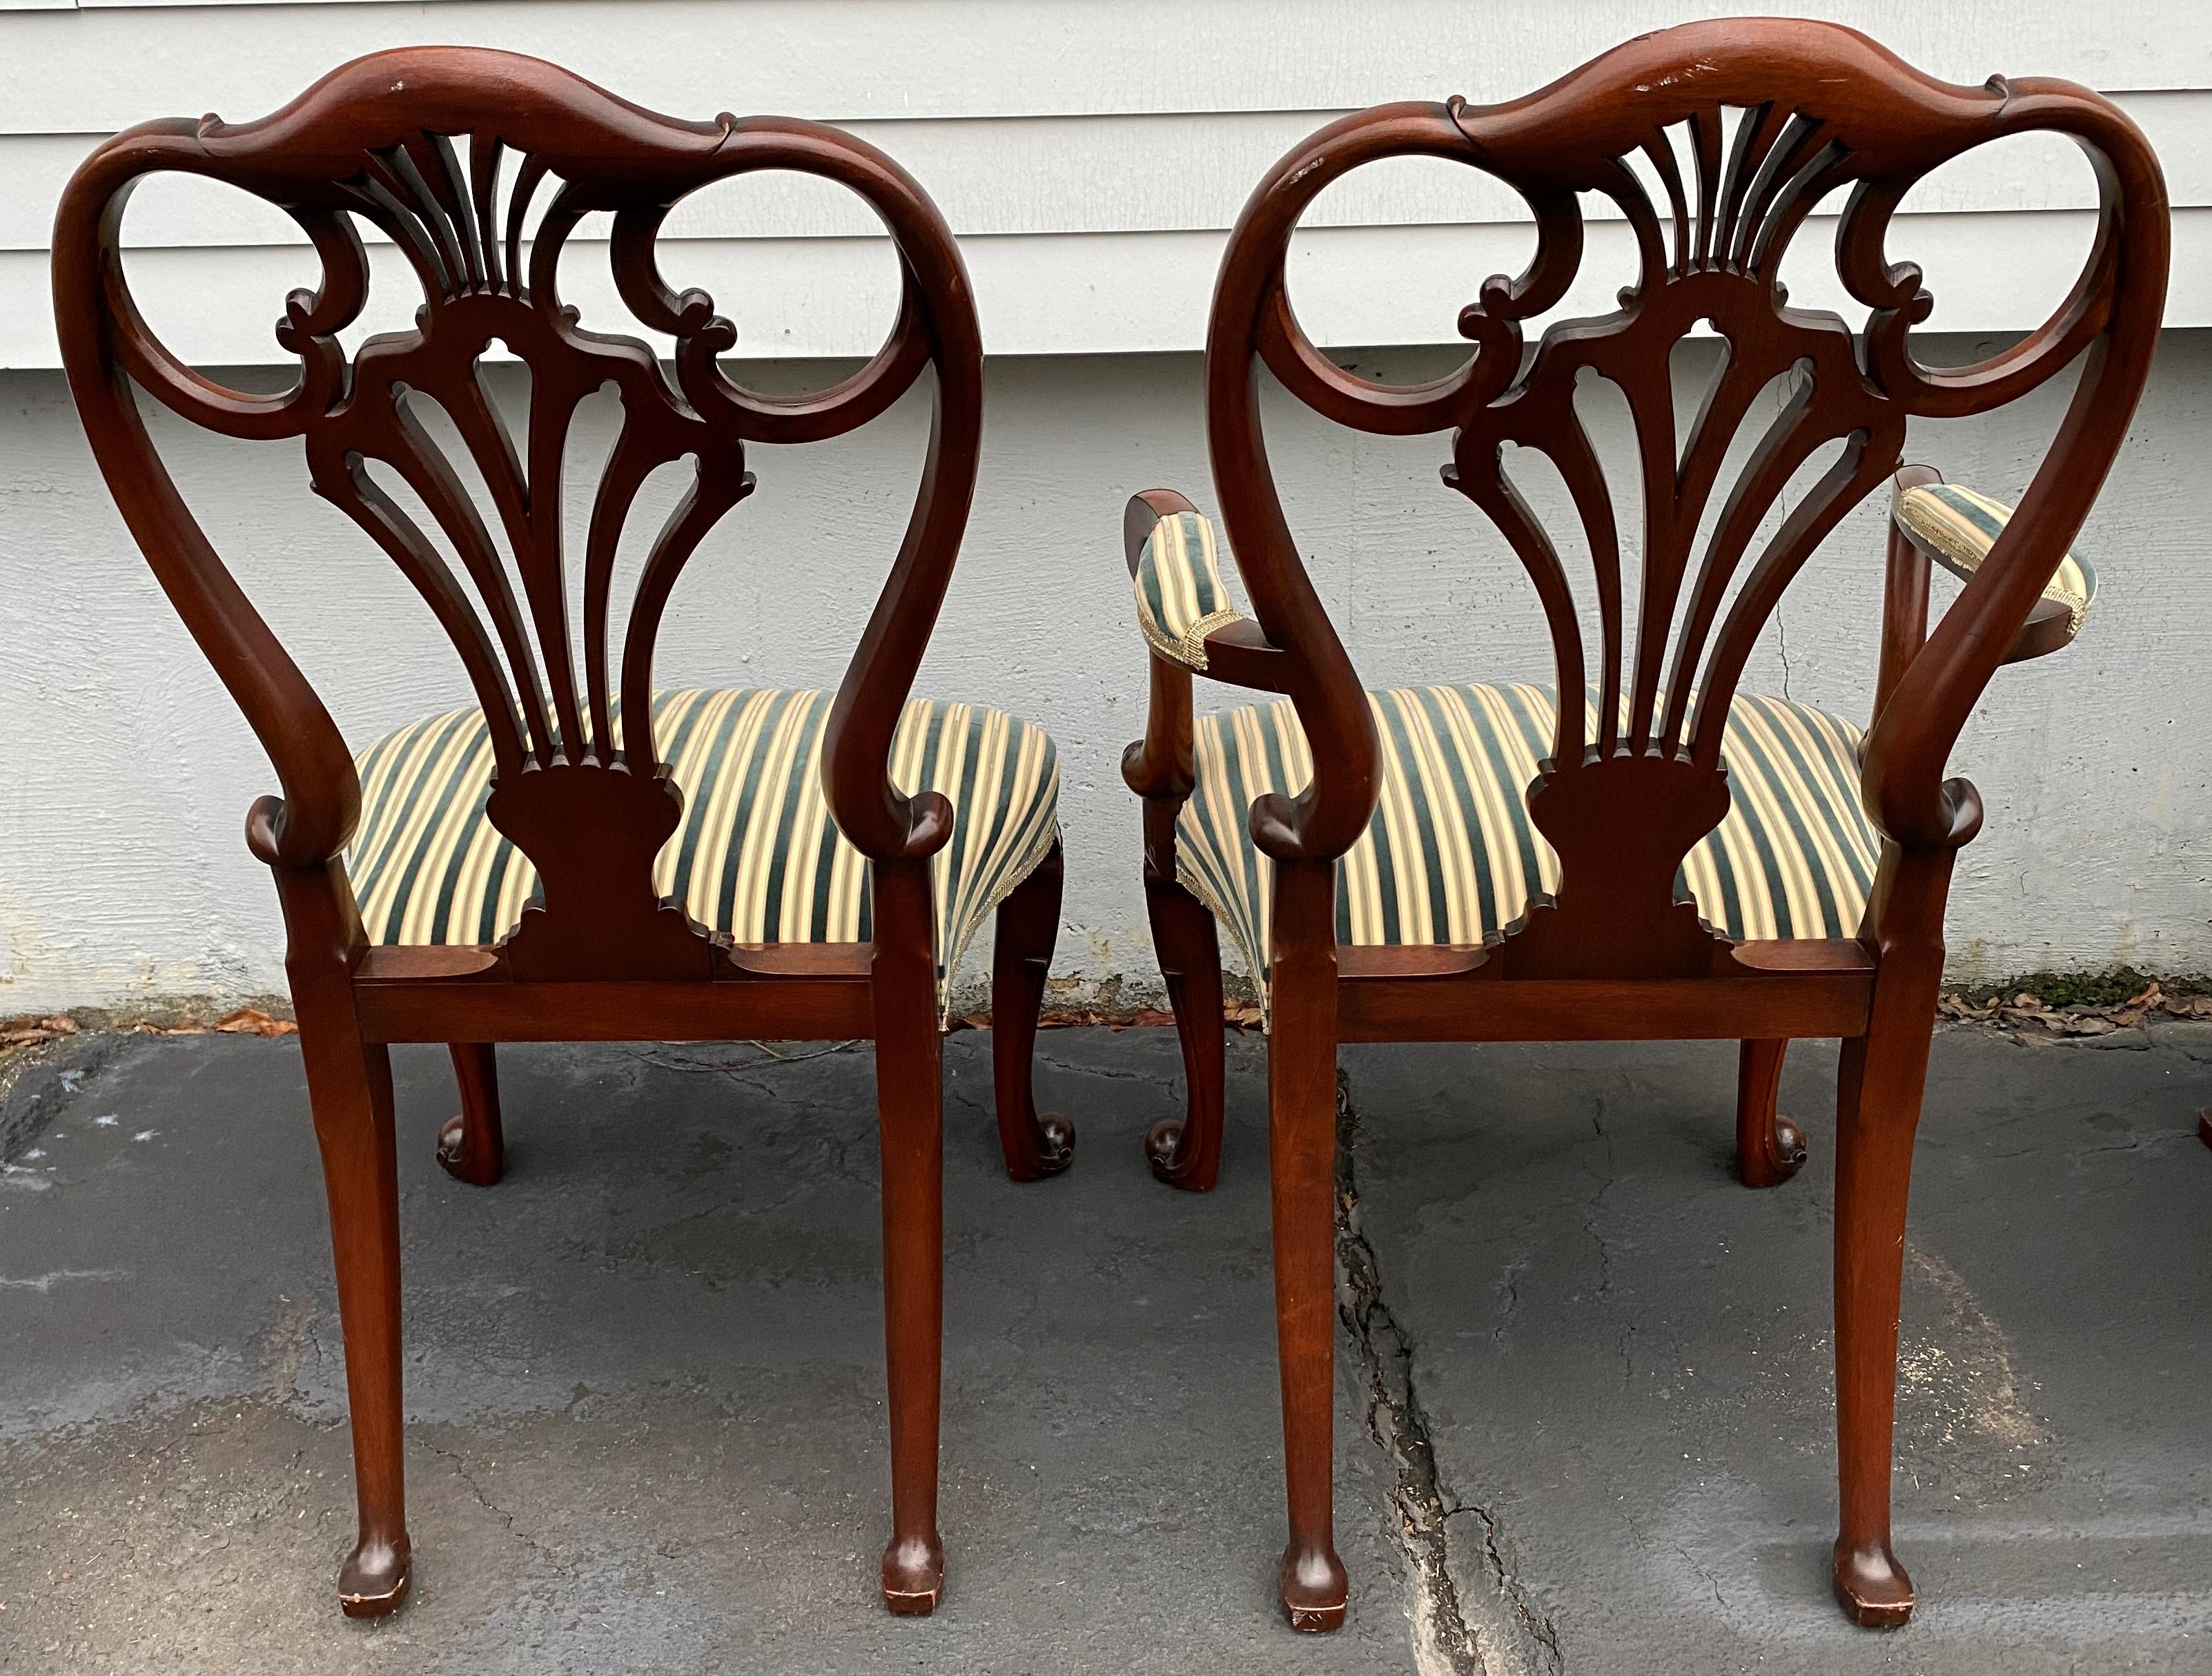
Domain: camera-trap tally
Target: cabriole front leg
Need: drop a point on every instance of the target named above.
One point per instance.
(473, 1147)
(1769, 1148)
(1028, 927)
(1185, 1152)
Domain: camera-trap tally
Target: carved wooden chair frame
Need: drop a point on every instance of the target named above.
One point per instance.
(603, 956)
(1613, 953)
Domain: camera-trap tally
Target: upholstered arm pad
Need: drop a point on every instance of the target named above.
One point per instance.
(1957, 528)
(1181, 598)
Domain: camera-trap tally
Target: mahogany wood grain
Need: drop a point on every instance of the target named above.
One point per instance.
(1035, 1146)
(1716, 143)
(479, 166)
(1905, 594)
(1302, 1167)
(909, 1106)
(1770, 1148)
(473, 1147)
(1185, 1153)
(576, 1010)
(1600, 1009)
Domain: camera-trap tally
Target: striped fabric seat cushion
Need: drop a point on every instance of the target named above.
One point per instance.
(1962, 527)
(1181, 598)
(756, 854)
(1450, 855)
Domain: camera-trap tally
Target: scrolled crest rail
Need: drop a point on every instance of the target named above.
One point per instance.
(479, 166)
(1717, 143)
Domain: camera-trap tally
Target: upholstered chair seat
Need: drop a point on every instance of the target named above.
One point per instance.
(757, 855)
(1450, 855)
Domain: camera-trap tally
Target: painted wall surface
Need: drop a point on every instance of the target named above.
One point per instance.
(122, 871)
(1093, 180)
(1091, 154)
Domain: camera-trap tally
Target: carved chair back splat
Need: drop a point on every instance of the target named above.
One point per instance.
(479, 166)
(1717, 143)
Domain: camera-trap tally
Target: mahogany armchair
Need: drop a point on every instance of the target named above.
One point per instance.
(577, 857)
(1637, 850)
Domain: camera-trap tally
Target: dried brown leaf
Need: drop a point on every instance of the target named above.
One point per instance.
(253, 1022)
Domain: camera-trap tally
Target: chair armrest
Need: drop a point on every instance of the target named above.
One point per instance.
(1175, 567)
(1956, 527)
(1159, 766)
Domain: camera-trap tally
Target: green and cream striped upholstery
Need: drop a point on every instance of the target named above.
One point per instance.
(757, 855)
(1963, 526)
(1180, 596)
(1450, 855)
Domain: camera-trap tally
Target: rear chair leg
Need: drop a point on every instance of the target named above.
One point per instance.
(910, 1117)
(471, 1146)
(1880, 1083)
(1029, 925)
(1185, 1152)
(1301, 1146)
(349, 1086)
(1769, 1148)
(1877, 1110)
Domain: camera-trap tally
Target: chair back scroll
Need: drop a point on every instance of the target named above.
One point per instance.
(478, 166)
(1745, 126)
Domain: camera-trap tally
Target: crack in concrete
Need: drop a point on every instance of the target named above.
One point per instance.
(1449, 1637)
(1108, 1072)
(741, 1071)
(454, 1459)
(1594, 1225)
(2139, 1143)
(1509, 1287)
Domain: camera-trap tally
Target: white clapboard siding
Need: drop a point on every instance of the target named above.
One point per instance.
(1132, 292)
(96, 68)
(1091, 154)
(1108, 174)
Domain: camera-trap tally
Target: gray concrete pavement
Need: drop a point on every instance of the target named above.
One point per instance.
(1583, 1424)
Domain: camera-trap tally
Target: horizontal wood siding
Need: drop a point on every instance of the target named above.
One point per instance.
(1091, 154)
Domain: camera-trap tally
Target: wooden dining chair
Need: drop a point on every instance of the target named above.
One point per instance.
(1637, 851)
(575, 855)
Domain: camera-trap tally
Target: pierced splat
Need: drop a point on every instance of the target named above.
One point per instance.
(483, 209)
(591, 808)
(1653, 745)
(1715, 167)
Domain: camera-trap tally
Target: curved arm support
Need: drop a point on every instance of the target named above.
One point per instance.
(1950, 525)
(1902, 773)
(1160, 765)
